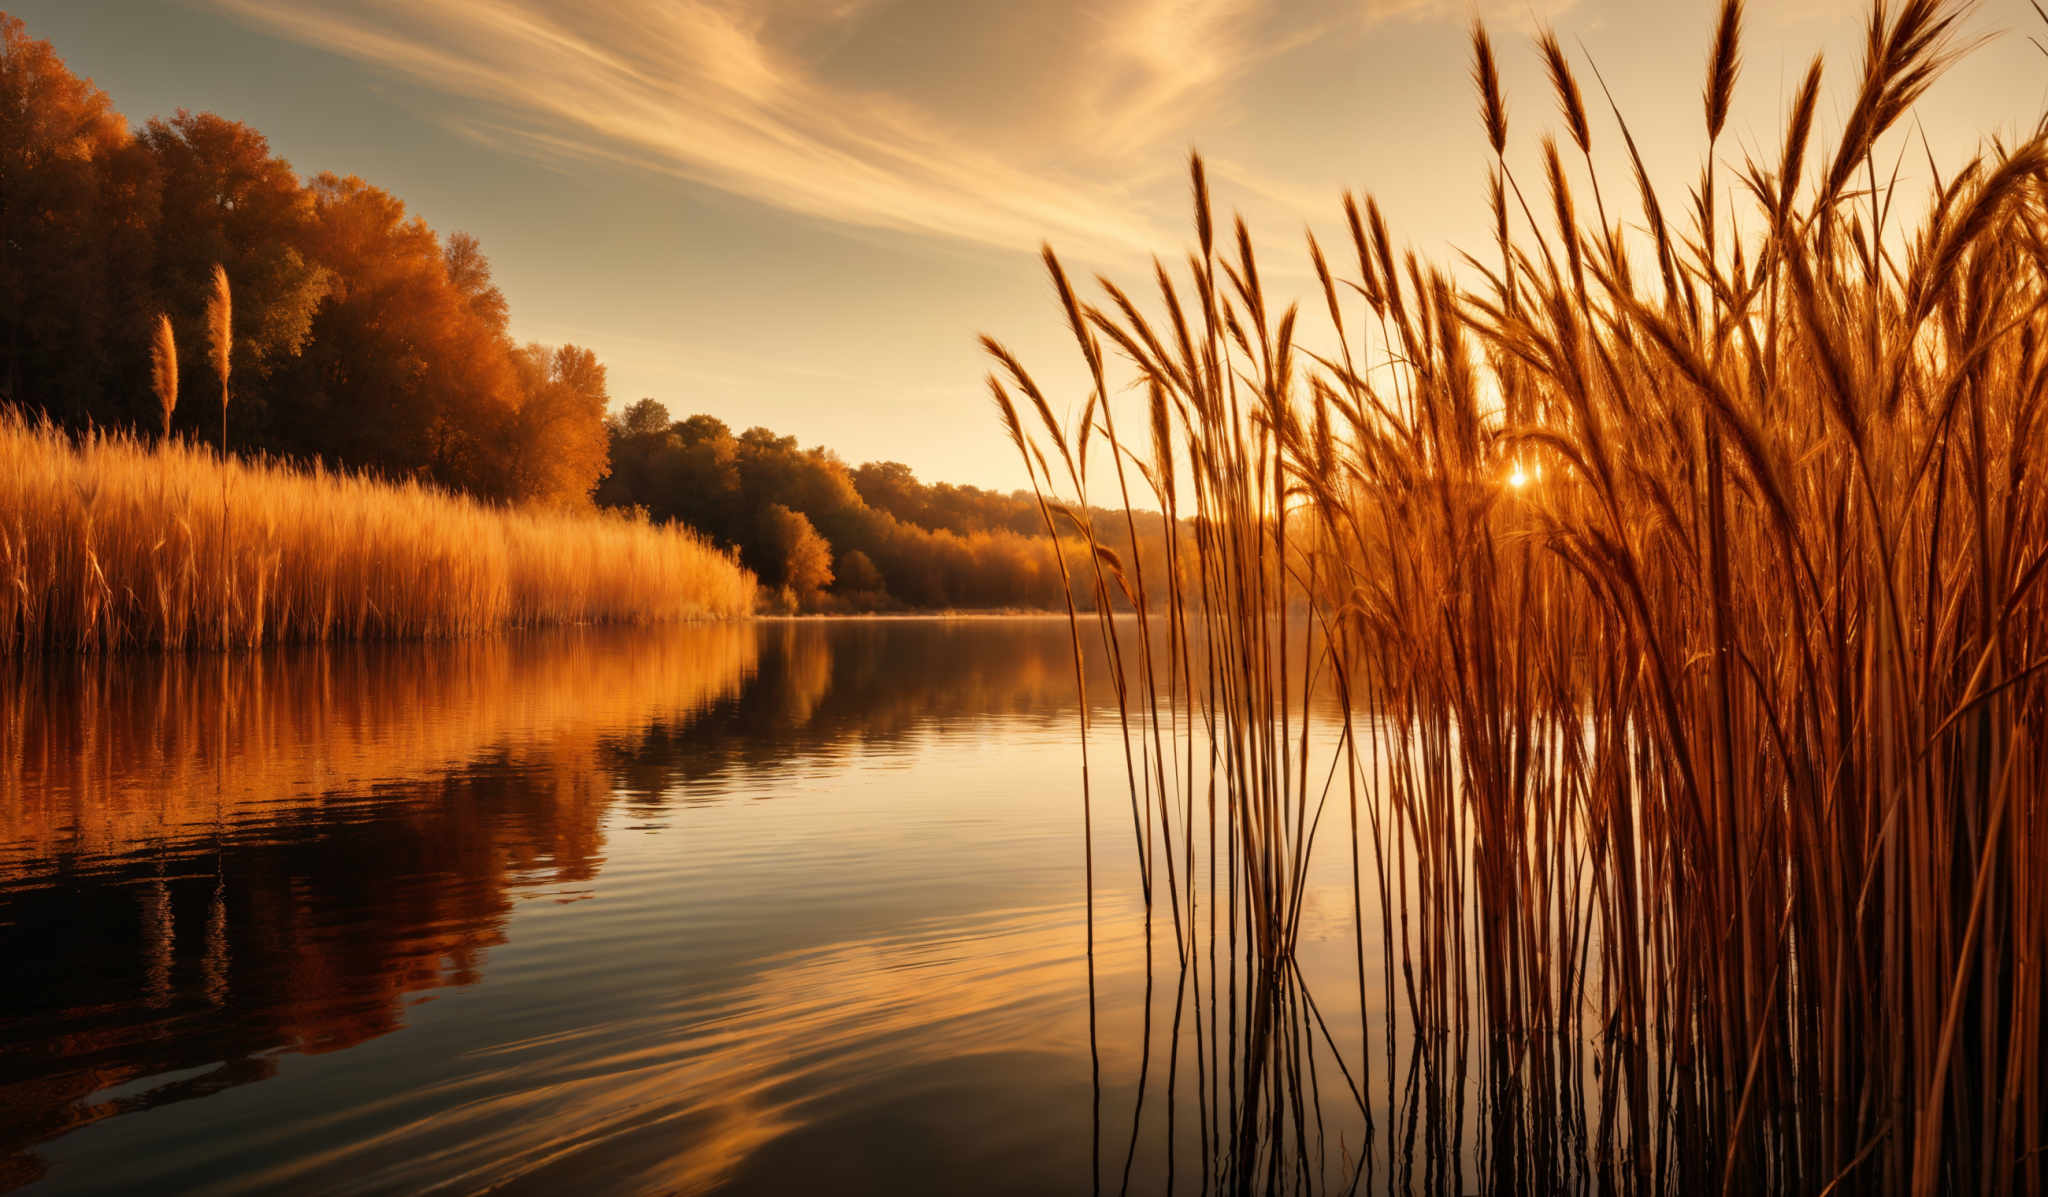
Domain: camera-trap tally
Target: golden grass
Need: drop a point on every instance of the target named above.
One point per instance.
(107, 544)
(1681, 586)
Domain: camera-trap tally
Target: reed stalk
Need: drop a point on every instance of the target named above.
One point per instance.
(1679, 591)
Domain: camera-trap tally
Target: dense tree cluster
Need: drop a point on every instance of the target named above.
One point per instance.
(831, 537)
(360, 337)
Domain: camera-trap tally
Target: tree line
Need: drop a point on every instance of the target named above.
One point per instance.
(825, 536)
(363, 340)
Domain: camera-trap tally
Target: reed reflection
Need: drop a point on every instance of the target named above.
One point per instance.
(211, 860)
(211, 865)
(99, 758)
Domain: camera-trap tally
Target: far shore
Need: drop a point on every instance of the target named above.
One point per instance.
(852, 616)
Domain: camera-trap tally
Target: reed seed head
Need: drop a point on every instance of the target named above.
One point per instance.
(220, 328)
(1726, 64)
(163, 369)
(1486, 77)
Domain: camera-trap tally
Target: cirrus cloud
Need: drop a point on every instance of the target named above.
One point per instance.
(997, 124)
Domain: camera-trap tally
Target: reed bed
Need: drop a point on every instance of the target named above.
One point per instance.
(108, 544)
(1678, 573)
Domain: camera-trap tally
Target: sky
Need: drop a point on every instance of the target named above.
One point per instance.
(802, 213)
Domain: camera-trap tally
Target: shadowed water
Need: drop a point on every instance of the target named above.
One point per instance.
(751, 908)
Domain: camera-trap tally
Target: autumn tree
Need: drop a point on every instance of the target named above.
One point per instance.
(791, 555)
(856, 576)
(644, 418)
(697, 471)
(77, 202)
(469, 271)
(360, 338)
(229, 201)
(556, 444)
(401, 374)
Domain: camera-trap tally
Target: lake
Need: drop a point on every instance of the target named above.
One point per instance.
(749, 908)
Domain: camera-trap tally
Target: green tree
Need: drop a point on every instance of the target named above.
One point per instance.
(890, 486)
(971, 554)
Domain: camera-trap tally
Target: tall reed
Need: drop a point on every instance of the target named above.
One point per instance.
(163, 370)
(1678, 580)
(107, 544)
(220, 337)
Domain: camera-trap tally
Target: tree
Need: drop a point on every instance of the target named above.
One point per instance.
(969, 551)
(890, 486)
(402, 374)
(470, 273)
(645, 418)
(792, 553)
(702, 428)
(225, 200)
(76, 205)
(557, 438)
(358, 338)
(856, 574)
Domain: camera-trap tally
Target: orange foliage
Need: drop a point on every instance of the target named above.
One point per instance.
(360, 338)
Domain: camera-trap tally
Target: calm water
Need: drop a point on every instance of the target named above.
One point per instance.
(753, 909)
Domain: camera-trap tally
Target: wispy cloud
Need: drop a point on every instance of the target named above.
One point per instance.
(1502, 14)
(997, 124)
(751, 99)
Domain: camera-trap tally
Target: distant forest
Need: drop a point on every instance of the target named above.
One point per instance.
(365, 341)
(825, 536)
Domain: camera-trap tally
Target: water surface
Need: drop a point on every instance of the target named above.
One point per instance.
(743, 908)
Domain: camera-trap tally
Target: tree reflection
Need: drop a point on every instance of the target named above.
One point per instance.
(210, 862)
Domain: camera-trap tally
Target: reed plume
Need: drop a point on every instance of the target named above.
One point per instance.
(220, 334)
(1725, 64)
(1493, 108)
(163, 370)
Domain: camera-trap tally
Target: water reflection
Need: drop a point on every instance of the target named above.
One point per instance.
(102, 758)
(209, 861)
(218, 874)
